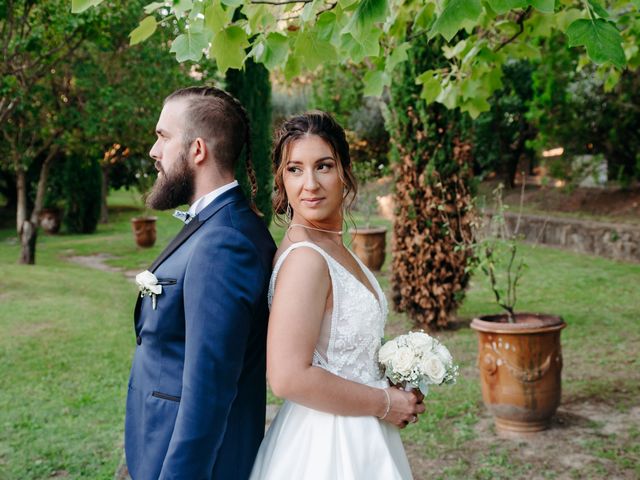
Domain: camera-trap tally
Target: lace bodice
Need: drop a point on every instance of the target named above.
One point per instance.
(351, 336)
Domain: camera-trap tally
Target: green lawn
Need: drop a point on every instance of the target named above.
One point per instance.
(66, 342)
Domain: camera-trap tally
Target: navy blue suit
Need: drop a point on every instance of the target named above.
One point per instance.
(196, 400)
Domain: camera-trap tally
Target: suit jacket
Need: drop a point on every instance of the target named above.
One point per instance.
(196, 399)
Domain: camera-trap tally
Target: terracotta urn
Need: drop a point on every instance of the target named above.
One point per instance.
(144, 230)
(50, 219)
(369, 245)
(520, 370)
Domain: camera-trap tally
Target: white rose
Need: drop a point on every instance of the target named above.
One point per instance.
(420, 341)
(443, 354)
(403, 361)
(387, 352)
(149, 281)
(433, 367)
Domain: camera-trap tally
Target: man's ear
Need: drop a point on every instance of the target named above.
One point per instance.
(199, 150)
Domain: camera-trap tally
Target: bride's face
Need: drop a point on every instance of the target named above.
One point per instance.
(312, 182)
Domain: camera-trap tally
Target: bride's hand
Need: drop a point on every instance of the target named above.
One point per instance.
(404, 407)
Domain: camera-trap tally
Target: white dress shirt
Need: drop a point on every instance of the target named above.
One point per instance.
(205, 200)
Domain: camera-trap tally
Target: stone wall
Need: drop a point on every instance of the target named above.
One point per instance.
(611, 240)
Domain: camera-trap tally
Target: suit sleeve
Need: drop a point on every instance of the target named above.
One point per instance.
(223, 282)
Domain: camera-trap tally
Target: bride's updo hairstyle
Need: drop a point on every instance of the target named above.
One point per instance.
(324, 126)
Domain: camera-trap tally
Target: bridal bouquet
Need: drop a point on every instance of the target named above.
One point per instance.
(417, 360)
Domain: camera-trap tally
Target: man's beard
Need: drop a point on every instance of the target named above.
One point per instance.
(175, 189)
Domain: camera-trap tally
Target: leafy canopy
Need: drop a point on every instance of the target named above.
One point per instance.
(481, 35)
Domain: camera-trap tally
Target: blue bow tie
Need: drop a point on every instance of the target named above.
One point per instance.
(186, 217)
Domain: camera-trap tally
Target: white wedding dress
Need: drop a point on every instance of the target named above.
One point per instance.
(307, 444)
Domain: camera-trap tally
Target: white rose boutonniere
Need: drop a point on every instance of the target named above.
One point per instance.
(148, 285)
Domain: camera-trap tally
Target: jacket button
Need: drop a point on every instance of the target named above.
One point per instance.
(139, 340)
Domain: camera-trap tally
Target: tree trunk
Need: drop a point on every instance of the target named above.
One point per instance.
(28, 233)
(42, 186)
(21, 186)
(104, 192)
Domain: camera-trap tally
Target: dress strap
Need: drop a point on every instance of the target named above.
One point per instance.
(283, 256)
(318, 358)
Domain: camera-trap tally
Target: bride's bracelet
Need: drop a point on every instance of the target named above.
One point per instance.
(386, 412)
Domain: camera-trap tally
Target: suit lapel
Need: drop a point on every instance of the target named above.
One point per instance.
(178, 240)
(189, 229)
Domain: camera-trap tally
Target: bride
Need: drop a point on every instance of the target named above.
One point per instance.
(341, 419)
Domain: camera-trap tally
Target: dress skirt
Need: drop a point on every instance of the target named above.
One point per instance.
(307, 444)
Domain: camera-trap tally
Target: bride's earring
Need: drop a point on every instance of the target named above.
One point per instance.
(289, 213)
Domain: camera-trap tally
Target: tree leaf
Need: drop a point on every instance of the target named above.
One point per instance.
(78, 6)
(601, 39)
(599, 9)
(180, 7)
(232, 3)
(398, 56)
(503, 6)
(292, 68)
(545, 6)
(190, 46)
(215, 17)
(431, 87)
(153, 6)
(259, 17)
(475, 106)
(229, 48)
(367, 13)
(276, 49)
(450, 52)
(367, 46)
(424, 17)
(448, 96)
(326, 26)
(312, 51)
(143, 31)
(374, 83)
(455, 16)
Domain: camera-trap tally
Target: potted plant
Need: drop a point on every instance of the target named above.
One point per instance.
(50, 219)
(519, 354)
(368, 242)
(144, 226)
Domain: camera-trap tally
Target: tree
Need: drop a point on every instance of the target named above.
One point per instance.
(98, 94)
(252, 87)
(586, 113)
(501, 134)
(433, 171)
(36, 38)
(117, 94)
(301, 35)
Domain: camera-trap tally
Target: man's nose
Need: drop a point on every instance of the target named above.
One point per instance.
(155, 151)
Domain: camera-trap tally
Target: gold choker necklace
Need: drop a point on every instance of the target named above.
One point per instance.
(337, 232)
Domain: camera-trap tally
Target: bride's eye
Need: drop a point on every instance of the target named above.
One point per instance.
(293, 169)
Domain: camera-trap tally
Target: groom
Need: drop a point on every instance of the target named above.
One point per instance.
(196, 400)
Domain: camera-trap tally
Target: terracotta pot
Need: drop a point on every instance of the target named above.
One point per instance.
(520, 370)
(144, 229)
(369, 245)
(50, 219)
